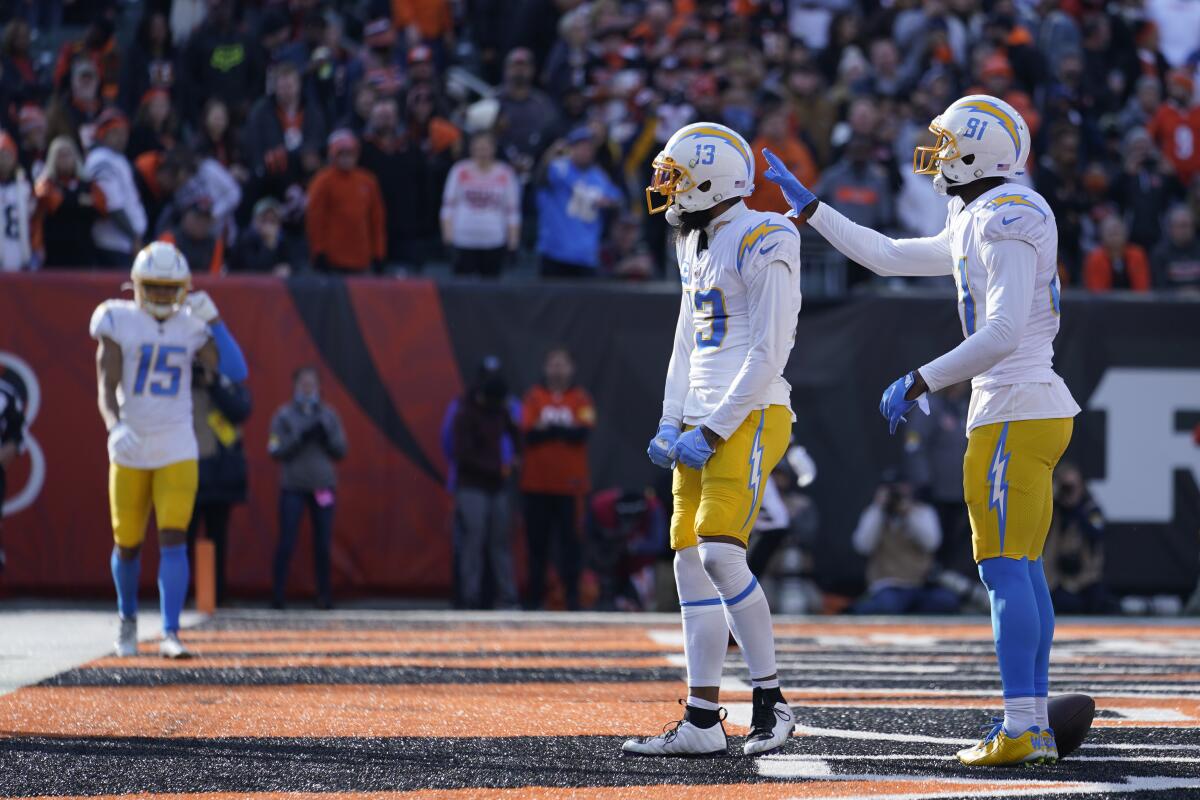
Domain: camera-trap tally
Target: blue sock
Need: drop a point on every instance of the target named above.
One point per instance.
(125, 575)
(1041, 664)
(172, 584)
(1016, 625)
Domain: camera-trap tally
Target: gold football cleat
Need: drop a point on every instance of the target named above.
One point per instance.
(998, 749)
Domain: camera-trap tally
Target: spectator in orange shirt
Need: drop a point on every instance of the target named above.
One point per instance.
(556, 418)
(1116, 263)
(1181, 147)
(428, 21)
(773, 133)
(345, 215)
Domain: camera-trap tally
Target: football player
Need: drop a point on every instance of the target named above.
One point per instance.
(725, 424)
(144, 371)
(1000, 243)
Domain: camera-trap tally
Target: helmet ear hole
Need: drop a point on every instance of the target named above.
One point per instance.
(969, 159)
(704, 187)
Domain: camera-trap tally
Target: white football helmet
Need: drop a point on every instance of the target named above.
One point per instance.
(701, 165)
(160, 264)
(978, 136)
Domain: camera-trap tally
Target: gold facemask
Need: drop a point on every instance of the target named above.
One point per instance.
(670, 179)
(927, 159)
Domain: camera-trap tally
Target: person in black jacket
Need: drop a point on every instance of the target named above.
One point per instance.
(66, 207)
(265, 245)
(219, 408)
(481, 426)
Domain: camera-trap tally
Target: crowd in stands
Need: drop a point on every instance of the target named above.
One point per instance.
(356, 136)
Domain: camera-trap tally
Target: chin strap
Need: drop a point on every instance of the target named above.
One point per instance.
(672, 217)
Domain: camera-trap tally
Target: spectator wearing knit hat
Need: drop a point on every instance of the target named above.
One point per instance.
(155, 127)
(67, 207)
(118, 234)
(345, 219)
(400, 168)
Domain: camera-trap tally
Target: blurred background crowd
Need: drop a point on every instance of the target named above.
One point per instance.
(514, 137)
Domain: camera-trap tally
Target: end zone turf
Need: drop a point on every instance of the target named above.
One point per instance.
(392, 704)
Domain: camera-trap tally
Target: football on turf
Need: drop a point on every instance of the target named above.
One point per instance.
(1071, 719)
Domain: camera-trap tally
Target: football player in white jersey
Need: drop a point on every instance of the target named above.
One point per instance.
(144, 371)
(1000, 243)
(725, 424)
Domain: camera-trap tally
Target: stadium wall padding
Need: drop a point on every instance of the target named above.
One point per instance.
(392, 354)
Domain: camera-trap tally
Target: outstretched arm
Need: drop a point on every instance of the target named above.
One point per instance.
(878, 253)
(881, 254)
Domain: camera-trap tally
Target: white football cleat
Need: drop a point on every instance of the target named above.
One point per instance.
(171, 647)
(682, 738)
(771, 724)
(126, 644)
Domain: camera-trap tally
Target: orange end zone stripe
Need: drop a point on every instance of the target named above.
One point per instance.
(488, 662)
(449, 710)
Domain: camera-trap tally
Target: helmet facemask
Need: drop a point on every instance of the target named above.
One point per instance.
(163, 299)
(927, 159)
(669, 179)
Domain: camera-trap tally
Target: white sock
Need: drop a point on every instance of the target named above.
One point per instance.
(696, 702)
(1019, 715)
(746, 608)
(1040, 713)
(773, 683)
(705, 633)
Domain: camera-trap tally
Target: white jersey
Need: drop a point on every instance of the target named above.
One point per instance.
(1002, 250)
(737, 320)
(15, 210)
(155, 394)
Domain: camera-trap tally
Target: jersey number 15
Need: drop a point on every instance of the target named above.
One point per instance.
(156, 359)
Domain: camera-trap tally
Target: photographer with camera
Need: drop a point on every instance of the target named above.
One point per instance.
(1074, 554)
(898, 535)
(307, 437)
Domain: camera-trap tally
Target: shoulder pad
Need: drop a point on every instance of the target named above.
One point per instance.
(764, 234)
(1013, 215)
(104, 322)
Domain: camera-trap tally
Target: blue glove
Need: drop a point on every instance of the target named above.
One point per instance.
(692, 449)
(661, 446)
(892, 405)
(796, 193)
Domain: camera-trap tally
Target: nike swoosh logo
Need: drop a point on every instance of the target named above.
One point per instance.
(1007, 221)
(766, 250)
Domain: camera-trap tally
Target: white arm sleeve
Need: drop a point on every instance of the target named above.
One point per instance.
(772, 301)
(866, 535)
(924, 528)
(1011, 266)
(678, 371)
(881, 254)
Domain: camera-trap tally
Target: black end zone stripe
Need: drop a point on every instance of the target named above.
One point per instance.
(324, 306)
(283, 676)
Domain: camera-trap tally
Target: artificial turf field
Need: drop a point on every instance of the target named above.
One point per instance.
(450, 705)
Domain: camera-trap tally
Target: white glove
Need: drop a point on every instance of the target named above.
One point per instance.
(122, 444)
(202, 306)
